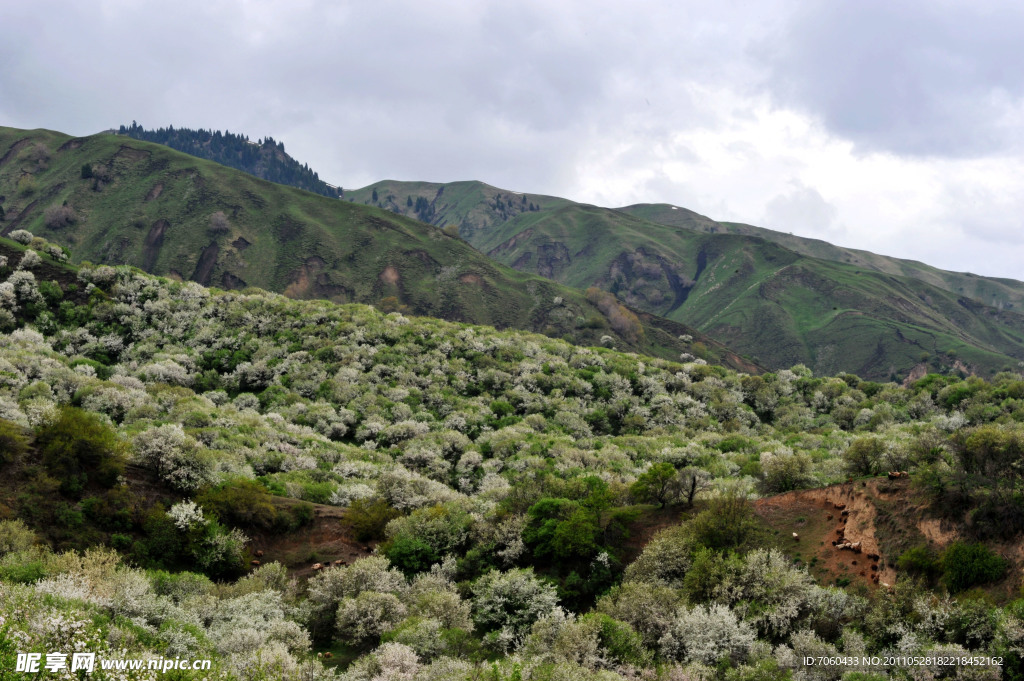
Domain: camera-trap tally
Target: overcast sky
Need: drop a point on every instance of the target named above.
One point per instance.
(897, 127)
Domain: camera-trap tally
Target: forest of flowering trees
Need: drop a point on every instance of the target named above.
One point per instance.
(147, 425)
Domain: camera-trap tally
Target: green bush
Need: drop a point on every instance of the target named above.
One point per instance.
(240, 502)
(121, 542)
(23, 573)
(51, 292)
(77, 446)
(163, 545)
(112, 511)
(966, 565)
(302, 514)
(919, 561)
(728, 523)
(318, 492)
(411, 554)
(369, 517)
(620, 640)
(657, 485)
(13, 442)
(568, 532)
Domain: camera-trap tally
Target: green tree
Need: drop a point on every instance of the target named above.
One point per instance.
(76, 445)
(966, 565)
(13, 442)
(659, 484)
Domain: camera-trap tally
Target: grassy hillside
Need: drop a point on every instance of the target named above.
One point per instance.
(471, 207)
(996, 292)
(117, 200)
(764, 300)
(779, 298)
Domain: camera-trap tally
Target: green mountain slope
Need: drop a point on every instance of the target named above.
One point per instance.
(758, 297)
(472, 207)
(875, 316)
(994, 291)
(118, 200)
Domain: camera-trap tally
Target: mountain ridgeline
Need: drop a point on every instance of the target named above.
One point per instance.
(779, 299)
(658, 278)
(116, 200)
(265, 158)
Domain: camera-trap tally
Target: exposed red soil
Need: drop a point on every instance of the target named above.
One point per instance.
(325, 540)
(825, 518)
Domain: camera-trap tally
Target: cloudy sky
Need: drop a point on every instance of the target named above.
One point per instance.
(897, 127)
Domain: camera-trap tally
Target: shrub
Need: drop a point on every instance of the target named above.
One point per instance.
(421, 538)
(919, 560)
(707, 634)
(411, 554)
(623, 644)
(13, 442)
(58, 217)
(728, 523)
(648, 608)
(511, 601)
(175, 456)
(785, 470)
(22, 236)
(29, 260)
(665, 560)
(220, 552)
(369, 517)
(15, 536)
(368, 615)
(112, 511)
(240, 502)
(966, 565)
(659, 485)
(51, 292)
(219, 223)
(864, 456)
(76, 445)
(560, 529)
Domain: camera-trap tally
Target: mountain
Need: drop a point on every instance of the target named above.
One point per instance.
(114, 200)
(265, 159)
(875, 316)
(993, 291)
(470, 206)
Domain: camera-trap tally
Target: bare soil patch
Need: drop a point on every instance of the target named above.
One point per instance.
(823, 519)
(325, 540)
(207, 261)
(154, 241)
(155, 192)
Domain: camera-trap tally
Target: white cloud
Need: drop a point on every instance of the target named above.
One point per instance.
(891, 127)
(802, 209)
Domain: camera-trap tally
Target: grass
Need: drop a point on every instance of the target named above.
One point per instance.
(149, 206)
(759, 298)
(731, 284)
(998, 292)
(783, 299)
